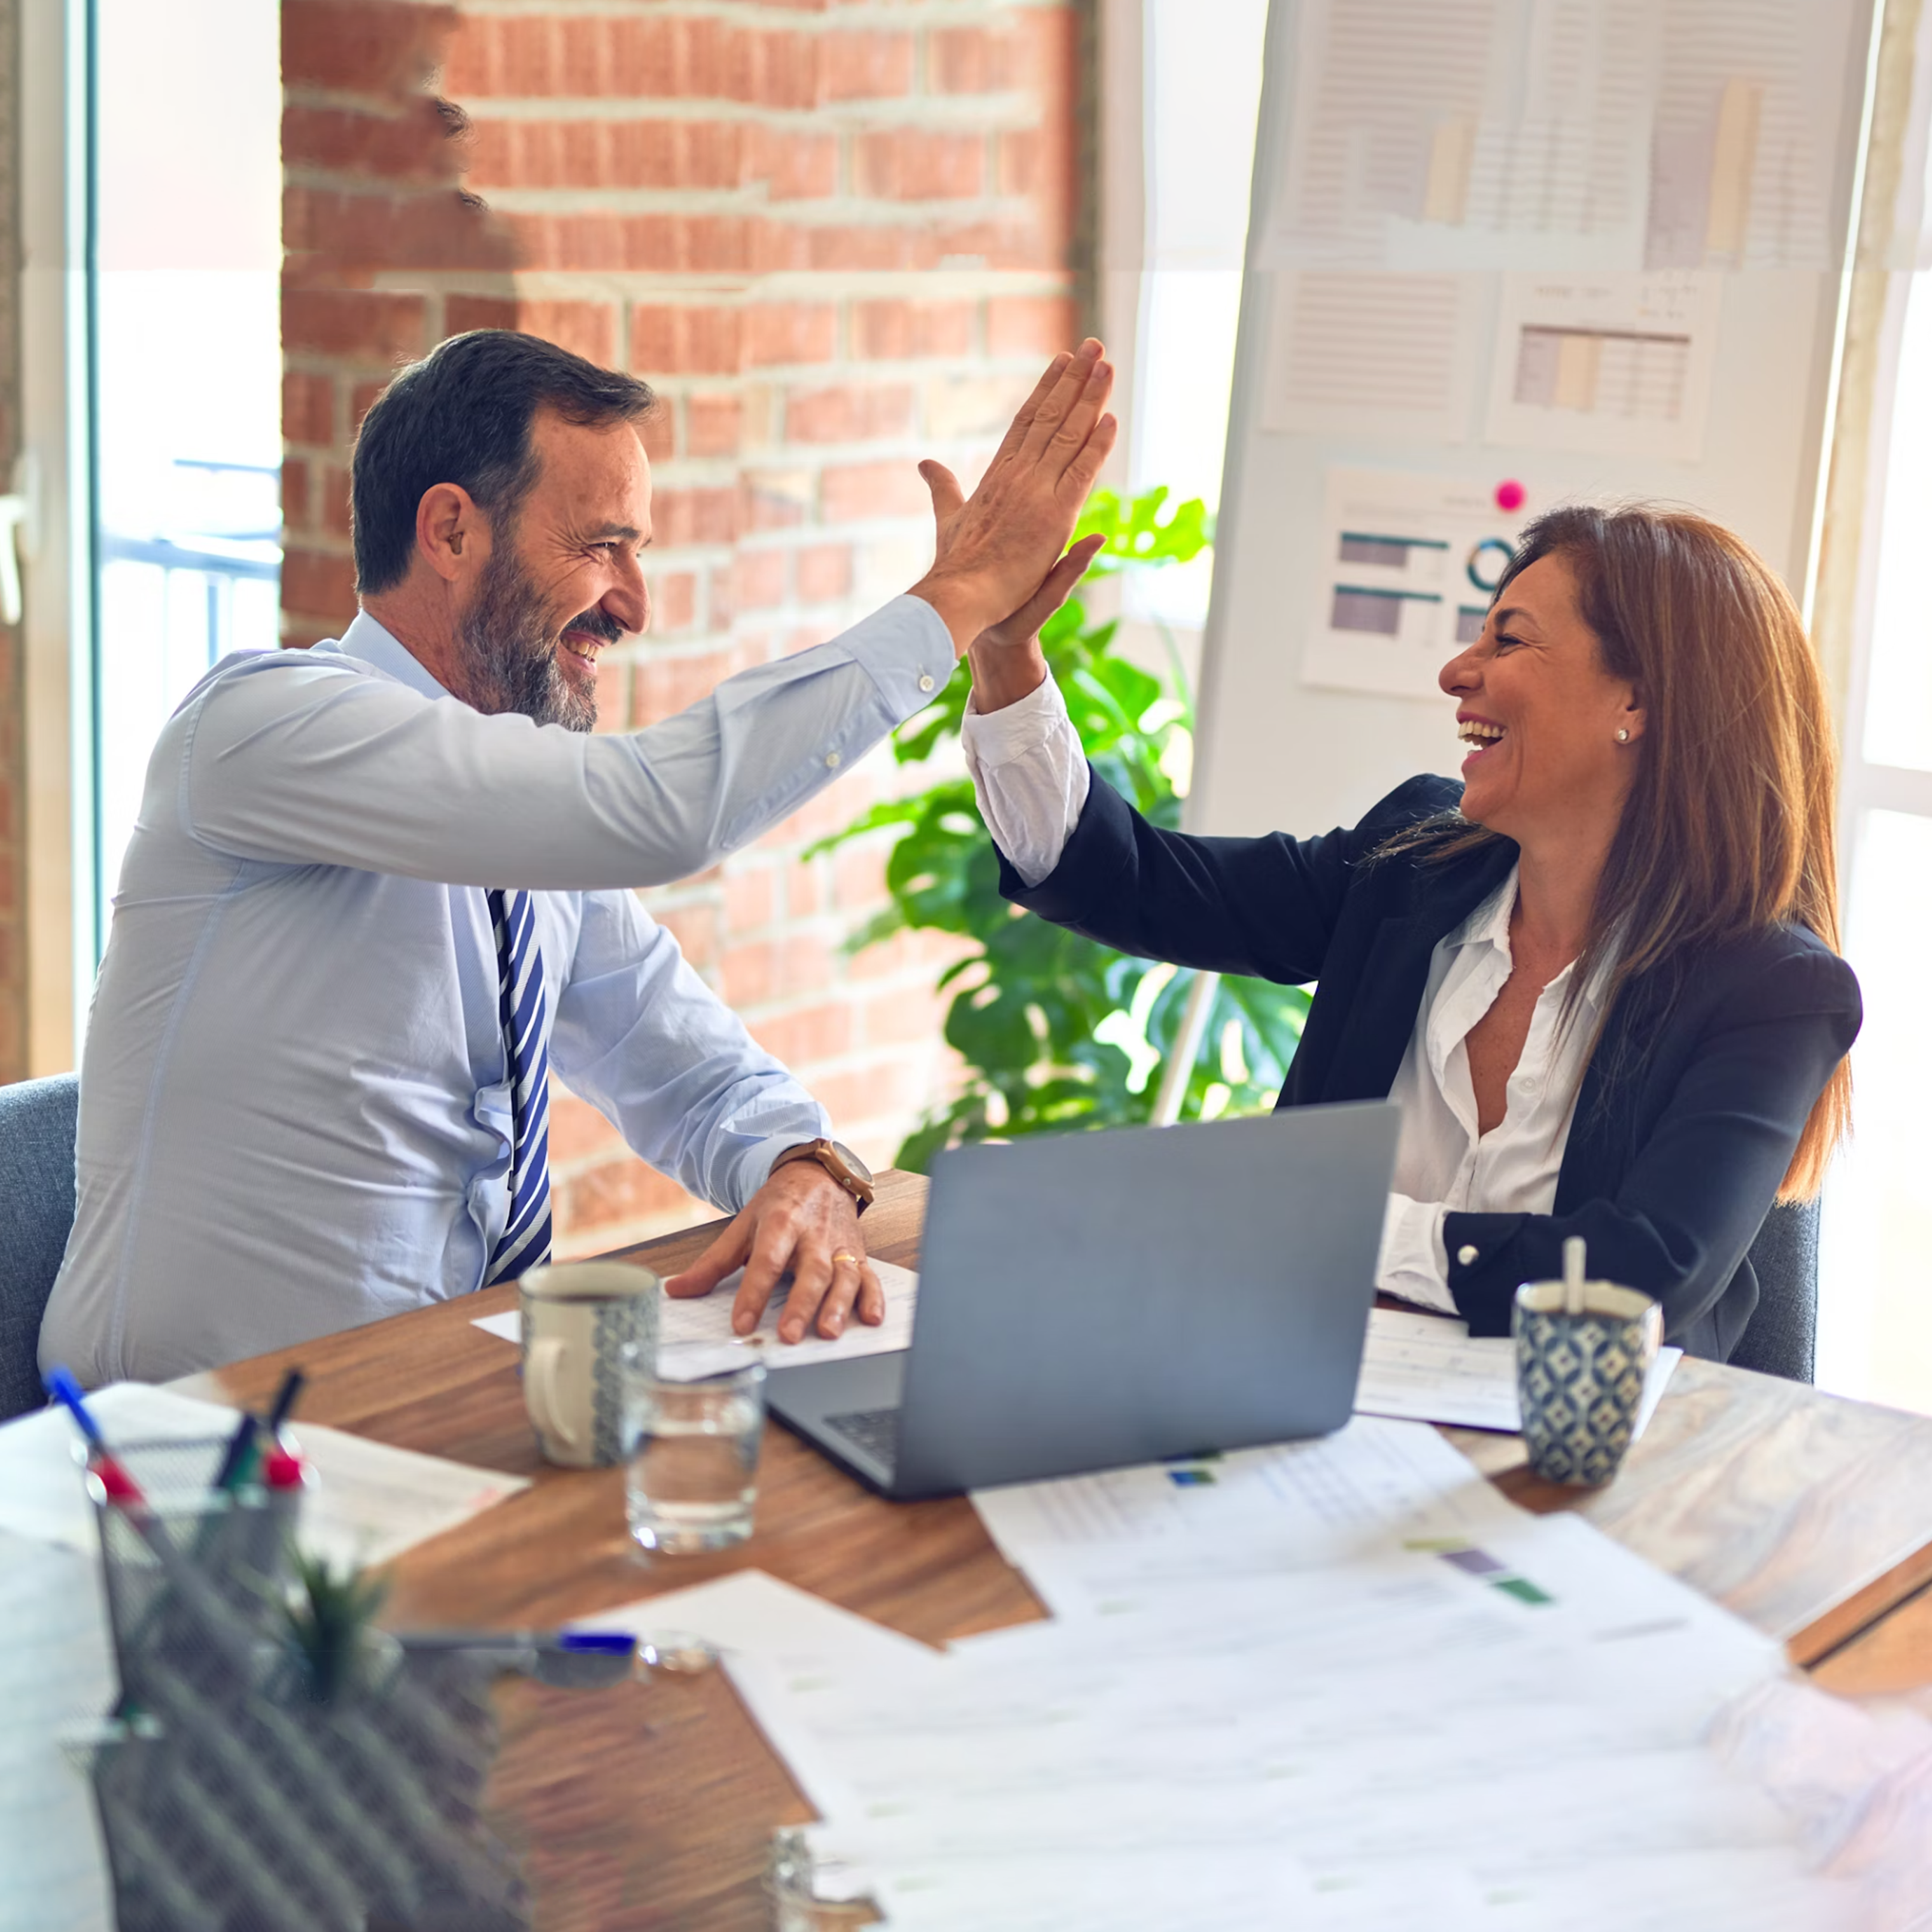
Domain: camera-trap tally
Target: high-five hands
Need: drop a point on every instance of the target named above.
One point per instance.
(999, 551)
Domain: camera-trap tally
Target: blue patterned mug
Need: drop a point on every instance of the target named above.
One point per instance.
(577, 1316)
(1580, 1376)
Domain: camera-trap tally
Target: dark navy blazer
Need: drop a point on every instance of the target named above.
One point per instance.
(1689, 1111)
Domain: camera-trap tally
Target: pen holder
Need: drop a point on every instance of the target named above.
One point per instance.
(192, 1577)
(230, 1800)
(1580, 1376)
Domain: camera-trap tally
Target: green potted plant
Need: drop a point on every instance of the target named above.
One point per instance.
(1057, 1031)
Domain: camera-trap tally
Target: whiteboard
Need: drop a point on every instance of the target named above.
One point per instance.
(1590, 248)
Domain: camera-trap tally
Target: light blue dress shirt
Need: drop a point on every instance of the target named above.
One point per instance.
(294, 1112)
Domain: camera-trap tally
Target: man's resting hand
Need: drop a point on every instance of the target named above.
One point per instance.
(802, 1220)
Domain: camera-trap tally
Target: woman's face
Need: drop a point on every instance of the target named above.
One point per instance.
(1541, 716)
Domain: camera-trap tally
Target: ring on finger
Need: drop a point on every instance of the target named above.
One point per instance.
(843, 1256)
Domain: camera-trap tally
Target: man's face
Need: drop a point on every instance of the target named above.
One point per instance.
(564, 580)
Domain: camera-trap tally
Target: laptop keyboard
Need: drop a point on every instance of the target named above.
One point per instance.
(874, 1430)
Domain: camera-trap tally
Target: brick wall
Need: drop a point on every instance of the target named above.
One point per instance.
(835, 238)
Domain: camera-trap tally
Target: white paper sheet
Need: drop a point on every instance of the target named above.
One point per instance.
(1617, 365)
(371, 1502)
(1593, 135)
(1409, 560)
(1426, 1368)
(1371, 354)
(1081, 1540)
(694, 1338)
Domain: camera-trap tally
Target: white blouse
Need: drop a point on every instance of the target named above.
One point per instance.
(1031, 776)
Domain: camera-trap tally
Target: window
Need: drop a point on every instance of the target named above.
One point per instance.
(184, 294)
(1201, 68)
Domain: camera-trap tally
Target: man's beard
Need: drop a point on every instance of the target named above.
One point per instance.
(512, 650)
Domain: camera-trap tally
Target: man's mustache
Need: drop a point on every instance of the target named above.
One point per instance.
(598, 623)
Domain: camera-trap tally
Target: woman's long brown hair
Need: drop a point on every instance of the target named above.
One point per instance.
(1731, 825)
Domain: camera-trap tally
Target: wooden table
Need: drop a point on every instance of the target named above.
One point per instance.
(653, 1806)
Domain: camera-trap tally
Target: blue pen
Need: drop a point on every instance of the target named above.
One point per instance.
(65, 1390)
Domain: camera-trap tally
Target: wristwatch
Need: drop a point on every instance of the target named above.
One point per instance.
(840, 1161)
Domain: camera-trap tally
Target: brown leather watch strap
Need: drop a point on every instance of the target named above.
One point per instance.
(826, 1156)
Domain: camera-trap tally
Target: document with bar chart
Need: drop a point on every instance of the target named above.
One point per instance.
(1410, 561)
(1618, 364)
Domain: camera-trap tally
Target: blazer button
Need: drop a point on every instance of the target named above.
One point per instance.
(1466, 1255)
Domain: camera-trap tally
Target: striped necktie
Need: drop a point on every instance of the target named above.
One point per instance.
(526, 1238)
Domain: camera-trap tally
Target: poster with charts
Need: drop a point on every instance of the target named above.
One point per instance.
(1409, 561)
(1612, 365)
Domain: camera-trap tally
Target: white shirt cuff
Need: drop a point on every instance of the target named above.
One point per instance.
(1029, 774)
(1414, 1266)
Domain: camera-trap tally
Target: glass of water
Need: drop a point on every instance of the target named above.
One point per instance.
(691, 1468)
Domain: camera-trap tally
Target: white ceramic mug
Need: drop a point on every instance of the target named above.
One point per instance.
(576, 1316)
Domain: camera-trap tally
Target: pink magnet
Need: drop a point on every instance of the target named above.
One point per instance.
(1510, 494)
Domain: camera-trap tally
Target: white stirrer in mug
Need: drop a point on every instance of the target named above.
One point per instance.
(1572, 1275)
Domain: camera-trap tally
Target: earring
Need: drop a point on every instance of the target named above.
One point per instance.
(1623, 736)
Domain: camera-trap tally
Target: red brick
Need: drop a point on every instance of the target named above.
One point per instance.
(808, 962)
(357, 323)
(713, 424)
(411, 143)
(721, 599)
(1030, 325)
(682, 516)
(859, 875)
(920, 164)
(849, 413)
(751, 972)
(578, 1131)
(807, 1033)
(782, 332)
(775, 499)
(888, 330)
(751, 896)
(973, 60)
(606, 154)
(331, 504)
(673, 601)
(854, 491)
(679, 340)
(361, 399)
(295, 493)
(762, 578)
(658, 432)
(824, 573)
(308, 408)
(619, 1191)
(319, 583)
(362, 47)
(865, 66)
(886, 1086)
(614, 692)
(585, 329)
(793, 166)
(911, 1016)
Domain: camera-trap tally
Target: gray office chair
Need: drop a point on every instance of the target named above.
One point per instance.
(1781, 1338)
(36, 1126)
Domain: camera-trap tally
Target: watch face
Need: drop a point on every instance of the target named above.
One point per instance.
(853, 1161)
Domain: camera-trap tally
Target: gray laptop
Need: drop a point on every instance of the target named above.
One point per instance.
(1089, 1300)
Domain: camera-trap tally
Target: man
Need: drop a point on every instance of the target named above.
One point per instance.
(377, 890)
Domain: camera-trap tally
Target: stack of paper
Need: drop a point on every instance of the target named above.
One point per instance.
(1328, 1686)
(695, 1337)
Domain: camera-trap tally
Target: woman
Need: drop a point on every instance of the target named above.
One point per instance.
(1600, 975)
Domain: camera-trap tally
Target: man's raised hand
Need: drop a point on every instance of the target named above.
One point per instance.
(996, 548)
